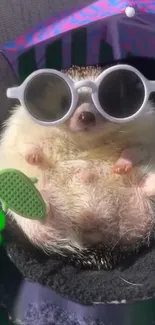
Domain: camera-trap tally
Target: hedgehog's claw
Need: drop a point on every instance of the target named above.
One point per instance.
(122, 166)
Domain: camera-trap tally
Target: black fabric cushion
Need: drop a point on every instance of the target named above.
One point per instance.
(131, 279)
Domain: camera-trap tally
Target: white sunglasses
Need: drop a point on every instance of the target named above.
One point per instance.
(120, 94)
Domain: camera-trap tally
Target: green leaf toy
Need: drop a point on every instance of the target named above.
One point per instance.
(19, 194)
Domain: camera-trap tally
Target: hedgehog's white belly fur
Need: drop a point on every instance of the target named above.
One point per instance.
(86, 202)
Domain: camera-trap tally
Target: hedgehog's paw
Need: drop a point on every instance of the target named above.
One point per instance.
(122, 166)
(34, 157)
(149, 185)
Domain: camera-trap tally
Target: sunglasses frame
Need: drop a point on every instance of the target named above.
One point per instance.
(19, 93)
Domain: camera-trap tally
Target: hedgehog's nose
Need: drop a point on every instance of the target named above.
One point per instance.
(87, 118)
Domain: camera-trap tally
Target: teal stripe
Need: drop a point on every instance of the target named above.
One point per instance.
(53, 55)
(143, 314)
(129, 54)
(4, 319)
(79, 47)
(27, 64)
(105, 53)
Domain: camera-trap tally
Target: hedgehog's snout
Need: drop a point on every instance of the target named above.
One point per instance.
(84, 118)
(87, 118)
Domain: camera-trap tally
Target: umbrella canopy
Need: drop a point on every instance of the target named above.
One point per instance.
(98, 33)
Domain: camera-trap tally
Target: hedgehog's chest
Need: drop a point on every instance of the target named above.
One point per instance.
(107, 152)
(72, 166)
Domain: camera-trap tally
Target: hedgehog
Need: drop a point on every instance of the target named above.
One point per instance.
(96, 177)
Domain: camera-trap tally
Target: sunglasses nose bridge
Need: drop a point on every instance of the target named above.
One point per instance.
(86, 83)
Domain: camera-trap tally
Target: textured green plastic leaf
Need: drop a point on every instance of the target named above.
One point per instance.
(18, 194)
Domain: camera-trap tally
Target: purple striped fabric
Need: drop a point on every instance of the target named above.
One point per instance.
(104, 20)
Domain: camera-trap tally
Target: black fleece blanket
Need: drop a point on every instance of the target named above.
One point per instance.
(36, 289)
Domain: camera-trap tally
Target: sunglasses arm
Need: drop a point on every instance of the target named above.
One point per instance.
(151, 86)
(13, 92)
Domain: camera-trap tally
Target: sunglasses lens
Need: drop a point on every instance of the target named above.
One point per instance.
(48, 97)
(121, 93)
